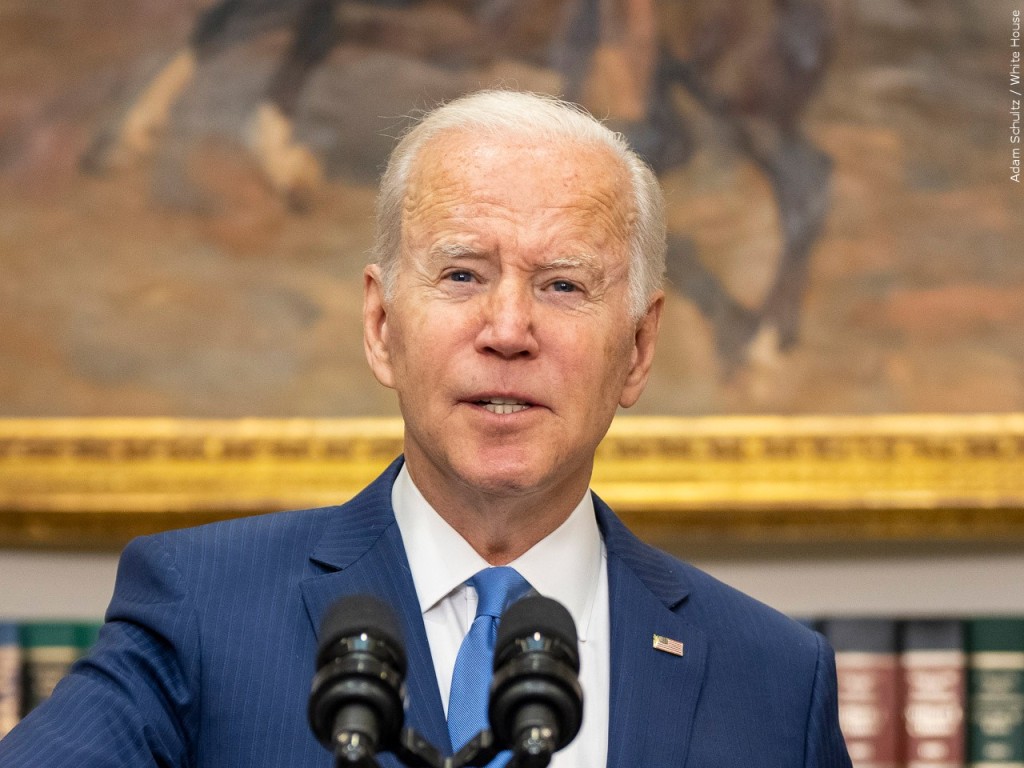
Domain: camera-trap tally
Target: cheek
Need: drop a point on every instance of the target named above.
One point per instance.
(401, 349)
(423, 339)
(617, 363)
(595, 358)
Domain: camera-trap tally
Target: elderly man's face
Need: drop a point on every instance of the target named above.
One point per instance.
(508, 337)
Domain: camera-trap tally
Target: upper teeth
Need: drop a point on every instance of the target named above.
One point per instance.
(503, 406)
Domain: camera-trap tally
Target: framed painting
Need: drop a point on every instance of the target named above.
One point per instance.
(186, 205)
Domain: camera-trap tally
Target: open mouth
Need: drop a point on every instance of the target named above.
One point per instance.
(502, 406)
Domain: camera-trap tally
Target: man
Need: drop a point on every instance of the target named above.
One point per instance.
(513, 305)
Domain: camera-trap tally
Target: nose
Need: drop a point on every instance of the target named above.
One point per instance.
(508, 328)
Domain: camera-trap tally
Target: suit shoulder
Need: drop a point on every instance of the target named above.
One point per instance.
(283, 528)
(283, 543)
(742, 621)
(722, 610)
(243, 551)
(698, 595)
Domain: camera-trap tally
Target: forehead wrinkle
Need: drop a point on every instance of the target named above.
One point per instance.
(612, 204)
(443, 195)
(439, 179)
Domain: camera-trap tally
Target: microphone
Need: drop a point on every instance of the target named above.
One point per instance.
(536, 703)
(356, 705)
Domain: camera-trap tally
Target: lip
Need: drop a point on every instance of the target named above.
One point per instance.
(507, 399)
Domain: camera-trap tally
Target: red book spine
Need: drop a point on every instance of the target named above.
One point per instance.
(868, 672)
(934, 709)
(934, 671)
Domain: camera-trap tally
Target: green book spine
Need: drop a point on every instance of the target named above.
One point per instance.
(48, 650)
(86, 634)
(10, 677)
(996, 692)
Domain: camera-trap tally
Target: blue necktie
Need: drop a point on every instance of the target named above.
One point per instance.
(467, 704)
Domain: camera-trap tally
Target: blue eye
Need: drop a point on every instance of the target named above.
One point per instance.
(563, 286)
(460, 276)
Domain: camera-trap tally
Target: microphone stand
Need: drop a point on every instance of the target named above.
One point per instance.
(414, 751)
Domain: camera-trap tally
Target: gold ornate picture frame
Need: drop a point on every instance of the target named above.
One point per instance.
(95, 483)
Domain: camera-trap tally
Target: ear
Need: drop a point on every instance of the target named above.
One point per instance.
(375, 327)
(644, 342)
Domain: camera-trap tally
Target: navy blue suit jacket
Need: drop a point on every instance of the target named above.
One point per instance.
(208, 652)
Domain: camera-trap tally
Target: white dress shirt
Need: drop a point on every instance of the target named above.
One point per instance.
(568, 565)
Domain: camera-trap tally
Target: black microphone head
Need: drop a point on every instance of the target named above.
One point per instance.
(536, 703)
(356, 615)
(356, 702)
(537, 615)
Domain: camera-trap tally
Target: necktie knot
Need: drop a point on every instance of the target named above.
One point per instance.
(496, 589)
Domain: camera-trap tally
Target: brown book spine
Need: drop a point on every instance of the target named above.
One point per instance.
(935, 692)
(868, 672)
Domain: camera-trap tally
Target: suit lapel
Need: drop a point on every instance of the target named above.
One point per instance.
(654, 694)
(361, 552)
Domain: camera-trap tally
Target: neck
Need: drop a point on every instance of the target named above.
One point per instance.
(499, 525)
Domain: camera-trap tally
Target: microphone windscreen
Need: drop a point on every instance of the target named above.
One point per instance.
(537, 614)
(361, 614)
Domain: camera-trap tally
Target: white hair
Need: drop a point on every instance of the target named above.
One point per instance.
(501, 112)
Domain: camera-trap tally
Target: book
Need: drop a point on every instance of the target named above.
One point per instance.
(868, 674)
(996, 692)
(933, 666)
(86, 634)
(10, 677)
(49, 648)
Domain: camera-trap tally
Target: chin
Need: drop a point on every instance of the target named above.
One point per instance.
(503, 476)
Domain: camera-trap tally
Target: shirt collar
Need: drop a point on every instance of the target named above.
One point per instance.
(564, 565)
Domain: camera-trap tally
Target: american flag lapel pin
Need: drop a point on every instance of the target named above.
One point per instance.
(668, 645)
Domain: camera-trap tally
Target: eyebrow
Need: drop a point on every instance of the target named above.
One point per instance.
(581, 262)
(448, 251)
(453, 250)
(584, 262)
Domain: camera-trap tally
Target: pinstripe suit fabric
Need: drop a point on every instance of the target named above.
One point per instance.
(207, 655)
